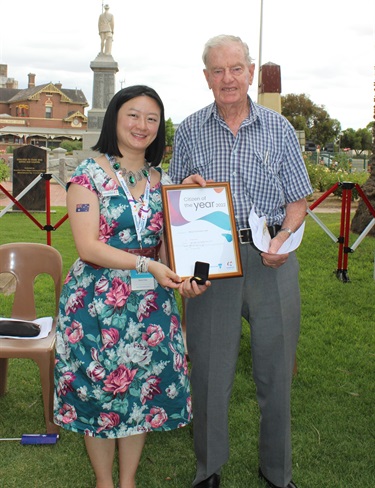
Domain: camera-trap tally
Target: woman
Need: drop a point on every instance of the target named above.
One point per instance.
(121, 369)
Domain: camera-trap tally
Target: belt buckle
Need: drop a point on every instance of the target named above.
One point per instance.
(241, 238)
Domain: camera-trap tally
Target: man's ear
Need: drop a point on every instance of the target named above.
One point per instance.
(251, 71)
(207, 76)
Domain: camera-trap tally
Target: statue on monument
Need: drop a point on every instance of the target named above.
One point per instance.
(106, 28)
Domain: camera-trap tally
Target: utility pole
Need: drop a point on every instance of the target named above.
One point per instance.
(260, 35)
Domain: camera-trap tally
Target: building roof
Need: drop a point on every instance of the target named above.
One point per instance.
(12, 95)
(7, 93)
(42, 132)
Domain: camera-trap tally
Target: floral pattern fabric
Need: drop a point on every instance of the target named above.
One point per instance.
(120, 367)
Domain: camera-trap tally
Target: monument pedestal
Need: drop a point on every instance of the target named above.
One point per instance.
(105, 69)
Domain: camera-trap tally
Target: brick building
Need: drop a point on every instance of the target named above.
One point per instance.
(42, 115)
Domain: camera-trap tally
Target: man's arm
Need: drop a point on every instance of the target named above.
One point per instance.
(295, 215)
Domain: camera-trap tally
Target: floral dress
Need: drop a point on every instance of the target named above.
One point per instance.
(120, 367)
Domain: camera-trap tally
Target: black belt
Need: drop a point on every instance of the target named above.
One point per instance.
(245, 237)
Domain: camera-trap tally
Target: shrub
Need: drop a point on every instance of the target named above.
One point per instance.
(71, 146)
(323, 178)
(4, 170)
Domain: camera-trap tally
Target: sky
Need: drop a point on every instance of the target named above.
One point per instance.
(325, 48)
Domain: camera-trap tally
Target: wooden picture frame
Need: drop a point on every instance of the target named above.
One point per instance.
(199, 225)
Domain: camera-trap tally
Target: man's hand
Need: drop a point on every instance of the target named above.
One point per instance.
(190, 289)
(194, 180)
(271, 258)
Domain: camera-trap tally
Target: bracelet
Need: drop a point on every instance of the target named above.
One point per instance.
(286, 229)
(141, 265)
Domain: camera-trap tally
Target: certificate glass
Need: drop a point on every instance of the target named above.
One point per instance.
(199, 226)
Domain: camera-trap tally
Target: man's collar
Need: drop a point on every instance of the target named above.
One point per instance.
(253, 115)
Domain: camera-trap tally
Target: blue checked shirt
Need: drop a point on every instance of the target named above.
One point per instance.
(263, 162)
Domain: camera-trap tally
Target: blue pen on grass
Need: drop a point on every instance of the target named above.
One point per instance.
(34, 439)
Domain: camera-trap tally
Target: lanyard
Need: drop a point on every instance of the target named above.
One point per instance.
(139, 214)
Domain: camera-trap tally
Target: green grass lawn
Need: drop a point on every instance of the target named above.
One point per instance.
(333, 391)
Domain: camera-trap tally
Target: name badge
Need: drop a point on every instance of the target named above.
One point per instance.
(110, 193)
(141, 281)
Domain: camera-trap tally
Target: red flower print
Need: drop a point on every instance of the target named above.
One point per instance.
(75, 332)
(75, 301)
(118, 294)
(147, 305)
(154, 335)
(119, 380)
(185, 366)
(106, 230)
(109, 185)
(65, 383)
(110, 338)
(178, 360)
(95, 371)
(94, 354)
(150, 388)
(101, 286)
(67, 414)
(157, 417)
(67, 278)
(175, 325)
(82, 180)
(107, 421)
(156, 223)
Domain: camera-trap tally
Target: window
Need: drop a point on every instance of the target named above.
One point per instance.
(48, 112)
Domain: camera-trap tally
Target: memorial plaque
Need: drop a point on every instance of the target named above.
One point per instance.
(28, 163)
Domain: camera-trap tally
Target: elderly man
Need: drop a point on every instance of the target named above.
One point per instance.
(257, 151)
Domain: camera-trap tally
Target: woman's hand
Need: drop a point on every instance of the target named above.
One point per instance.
(164, 275)
(168, 278)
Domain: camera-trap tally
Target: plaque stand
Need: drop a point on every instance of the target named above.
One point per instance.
(48, 227)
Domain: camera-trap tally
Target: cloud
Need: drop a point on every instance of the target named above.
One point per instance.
(325, 49)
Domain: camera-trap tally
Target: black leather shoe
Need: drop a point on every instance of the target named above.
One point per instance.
(212, 482)
(271, 485)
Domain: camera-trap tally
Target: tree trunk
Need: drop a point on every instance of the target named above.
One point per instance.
(363, 217)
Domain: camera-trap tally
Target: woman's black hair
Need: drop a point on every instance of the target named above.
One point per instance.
(107, 142)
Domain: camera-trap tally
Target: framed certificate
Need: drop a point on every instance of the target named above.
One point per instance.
(199, 226)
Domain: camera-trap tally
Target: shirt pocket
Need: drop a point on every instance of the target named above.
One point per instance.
(263, 182)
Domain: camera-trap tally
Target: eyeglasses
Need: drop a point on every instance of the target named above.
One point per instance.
(221, 72)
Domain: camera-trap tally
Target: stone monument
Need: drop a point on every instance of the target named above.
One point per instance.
(29, 162)
(105, 69)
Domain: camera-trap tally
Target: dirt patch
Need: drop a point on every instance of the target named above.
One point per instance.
(330, 204)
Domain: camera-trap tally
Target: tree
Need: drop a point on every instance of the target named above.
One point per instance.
(169, 132)
(363, 217)
(359, 140)
(305, 115)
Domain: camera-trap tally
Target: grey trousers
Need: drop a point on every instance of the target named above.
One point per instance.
(269, 299)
